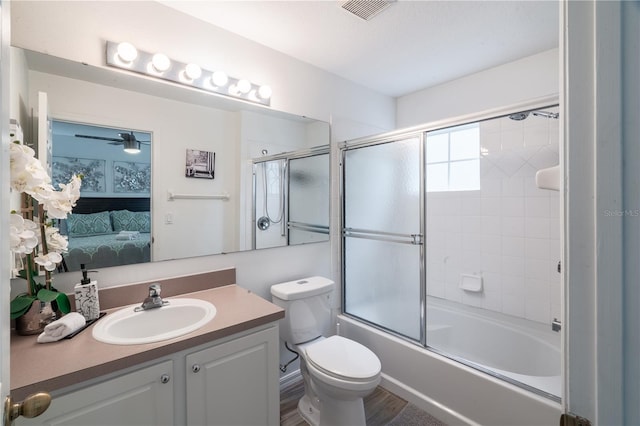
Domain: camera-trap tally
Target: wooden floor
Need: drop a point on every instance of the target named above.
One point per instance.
(381, 407)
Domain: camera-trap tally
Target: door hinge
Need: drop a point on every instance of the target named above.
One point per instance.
(569, 419)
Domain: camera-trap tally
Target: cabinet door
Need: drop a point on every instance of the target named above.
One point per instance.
(138, 398)
(235, 383)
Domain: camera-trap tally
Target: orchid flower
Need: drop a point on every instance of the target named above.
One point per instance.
(28, 175)
(22, 234)
(55, 241)
(49, 261)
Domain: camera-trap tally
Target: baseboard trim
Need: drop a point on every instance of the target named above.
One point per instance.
(290, 379)
(431, 406)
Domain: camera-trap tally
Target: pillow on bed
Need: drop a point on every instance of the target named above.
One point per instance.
(124, 220)
(82, 225)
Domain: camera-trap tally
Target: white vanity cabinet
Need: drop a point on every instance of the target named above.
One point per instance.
(229, 381)
(142, 397)
(235, 383)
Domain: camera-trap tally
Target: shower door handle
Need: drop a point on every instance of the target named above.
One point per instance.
(414, 239)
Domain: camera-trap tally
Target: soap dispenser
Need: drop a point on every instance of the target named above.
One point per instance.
(86, 292)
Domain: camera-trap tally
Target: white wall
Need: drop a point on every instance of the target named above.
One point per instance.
(529, 78)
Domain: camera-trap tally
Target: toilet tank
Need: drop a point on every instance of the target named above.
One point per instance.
(307, 305)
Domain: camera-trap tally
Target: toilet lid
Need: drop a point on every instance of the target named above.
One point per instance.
(342, 357)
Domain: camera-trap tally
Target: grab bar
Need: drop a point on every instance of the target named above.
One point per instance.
(171, 196)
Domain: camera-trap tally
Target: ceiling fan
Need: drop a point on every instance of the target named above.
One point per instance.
(129, 141)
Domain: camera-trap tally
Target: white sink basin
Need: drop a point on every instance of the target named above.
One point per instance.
(128, 327)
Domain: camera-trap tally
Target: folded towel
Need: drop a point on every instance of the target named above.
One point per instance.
(127, 235)
(62, 327)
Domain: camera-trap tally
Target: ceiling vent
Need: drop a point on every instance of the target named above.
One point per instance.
(366, 9)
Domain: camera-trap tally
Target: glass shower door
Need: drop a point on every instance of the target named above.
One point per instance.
(382, 235)
(309, 199)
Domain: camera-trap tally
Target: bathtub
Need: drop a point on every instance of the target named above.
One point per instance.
(523, 351)
(463, 393)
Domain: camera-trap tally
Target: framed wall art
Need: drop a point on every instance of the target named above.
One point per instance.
(92, 171)
(200, 164)
(131, 177)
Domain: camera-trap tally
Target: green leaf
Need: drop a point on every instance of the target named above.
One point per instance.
(63, 303)
(47, 295)
(20, 305)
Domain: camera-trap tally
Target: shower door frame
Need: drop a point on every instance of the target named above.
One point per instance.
(418, 239)
(286, 157)
(422, 130)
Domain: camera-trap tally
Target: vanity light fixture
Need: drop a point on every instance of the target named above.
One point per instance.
(219, 78)
(160, 62)
(127, 53)
(244, 86)
(125, 56)
(193, 71)
(265, 92)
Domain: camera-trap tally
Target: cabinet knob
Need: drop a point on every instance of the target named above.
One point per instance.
(195, 368)
(165, 378)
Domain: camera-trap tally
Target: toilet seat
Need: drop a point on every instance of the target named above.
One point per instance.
(343, 359)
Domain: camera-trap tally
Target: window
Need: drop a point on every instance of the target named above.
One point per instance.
(453, 159)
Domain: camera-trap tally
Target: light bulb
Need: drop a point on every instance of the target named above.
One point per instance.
(243, 86)
(265, 92)
(193, 71)
(161, 62)
(219, 79)
(127, 52)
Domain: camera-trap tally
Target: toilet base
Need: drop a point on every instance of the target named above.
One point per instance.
(334, 412)
(308, 412)
(339, 413)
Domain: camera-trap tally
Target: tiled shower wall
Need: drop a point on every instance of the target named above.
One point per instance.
(508, 231)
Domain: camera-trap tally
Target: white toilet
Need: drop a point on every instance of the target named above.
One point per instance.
(337, 372)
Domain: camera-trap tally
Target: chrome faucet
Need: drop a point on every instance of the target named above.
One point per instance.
(153, 300)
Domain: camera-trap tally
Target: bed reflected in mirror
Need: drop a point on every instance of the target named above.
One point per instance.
(111, 222)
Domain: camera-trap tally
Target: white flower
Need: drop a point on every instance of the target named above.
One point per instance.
(28, 175)
(22, 234)
(55, 241)
(59, 204)
(49, 261)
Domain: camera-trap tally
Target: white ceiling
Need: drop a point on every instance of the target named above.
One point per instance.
(409, 46)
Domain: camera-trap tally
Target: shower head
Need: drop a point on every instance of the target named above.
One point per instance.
(519, 116)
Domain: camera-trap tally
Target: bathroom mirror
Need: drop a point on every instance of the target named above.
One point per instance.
(190, 216)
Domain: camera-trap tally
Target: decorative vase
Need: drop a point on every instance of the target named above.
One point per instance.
(36, 318)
